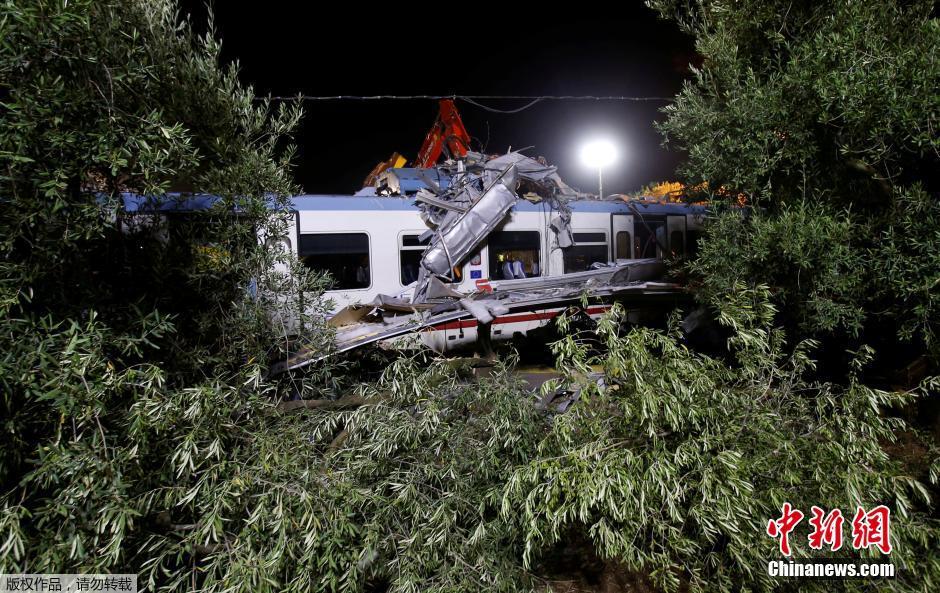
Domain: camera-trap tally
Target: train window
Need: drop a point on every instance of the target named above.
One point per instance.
(414, 242)
(677, 243)
(590, 237)
(650, 234)
(623, 245)
(515, 254)
(409, 259)
(589, 248)
(344, 255)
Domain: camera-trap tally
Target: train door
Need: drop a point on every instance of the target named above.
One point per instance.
(649, 237)
(675, 228)
(621, 226)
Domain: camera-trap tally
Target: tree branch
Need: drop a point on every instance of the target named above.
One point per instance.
(344, 403)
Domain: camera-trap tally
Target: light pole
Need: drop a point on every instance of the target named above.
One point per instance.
(598, 154)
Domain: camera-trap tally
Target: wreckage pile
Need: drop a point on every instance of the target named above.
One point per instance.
(481, 192)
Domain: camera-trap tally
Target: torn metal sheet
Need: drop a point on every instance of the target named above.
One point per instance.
(455, 243)
(532, 170)
(496, 304)
(425, 197)
(481, 192)
(485, 311)
(407, 180)
(351, 337)
(348, 316)
(389, 303)
(639, 270)
(438, 290)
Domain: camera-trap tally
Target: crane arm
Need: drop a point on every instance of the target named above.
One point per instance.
(448, 131)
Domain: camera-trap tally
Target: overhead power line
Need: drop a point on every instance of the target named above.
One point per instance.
(471, 99)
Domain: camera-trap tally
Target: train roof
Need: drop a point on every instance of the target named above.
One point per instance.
(368, 203)
(165, 203)
(196, 202)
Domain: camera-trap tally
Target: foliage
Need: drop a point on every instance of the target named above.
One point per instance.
(794, 96)
(429, 480)
(133, 349)
(417, 481)
(806, 251)
(908, 266)
(826, 110)
(674, 463)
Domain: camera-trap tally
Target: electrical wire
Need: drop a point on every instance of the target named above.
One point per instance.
(471, 99)
(494, 110)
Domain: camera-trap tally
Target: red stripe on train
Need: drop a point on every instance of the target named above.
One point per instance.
(512, 319)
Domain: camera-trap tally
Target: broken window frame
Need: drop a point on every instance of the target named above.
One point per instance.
(567, 254)
(677, 243)
(644, 230)
(418, 248)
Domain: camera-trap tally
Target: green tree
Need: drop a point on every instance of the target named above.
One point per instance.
(137, 424)
(824, 115)
(673, 463)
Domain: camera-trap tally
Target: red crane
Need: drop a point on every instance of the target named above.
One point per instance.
(448, 130)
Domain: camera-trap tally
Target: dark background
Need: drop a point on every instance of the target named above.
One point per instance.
(347, 48)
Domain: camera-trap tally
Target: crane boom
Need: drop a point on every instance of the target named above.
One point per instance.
(448, 131)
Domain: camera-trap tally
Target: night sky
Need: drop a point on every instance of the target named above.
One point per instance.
(354, 48)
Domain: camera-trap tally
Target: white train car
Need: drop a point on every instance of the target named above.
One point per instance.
(372, 245)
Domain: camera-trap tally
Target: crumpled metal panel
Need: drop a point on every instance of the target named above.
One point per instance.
(456, 242)
(481, 192)
(438, 290)
(530, 169)
(484, 311)
(400, 181)
(391, 326)
(561, 225)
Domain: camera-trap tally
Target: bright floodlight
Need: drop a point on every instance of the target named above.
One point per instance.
(599, 154)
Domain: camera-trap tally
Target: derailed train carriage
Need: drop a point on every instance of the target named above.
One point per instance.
(483, 248)
(372, 245)
(476, 248)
